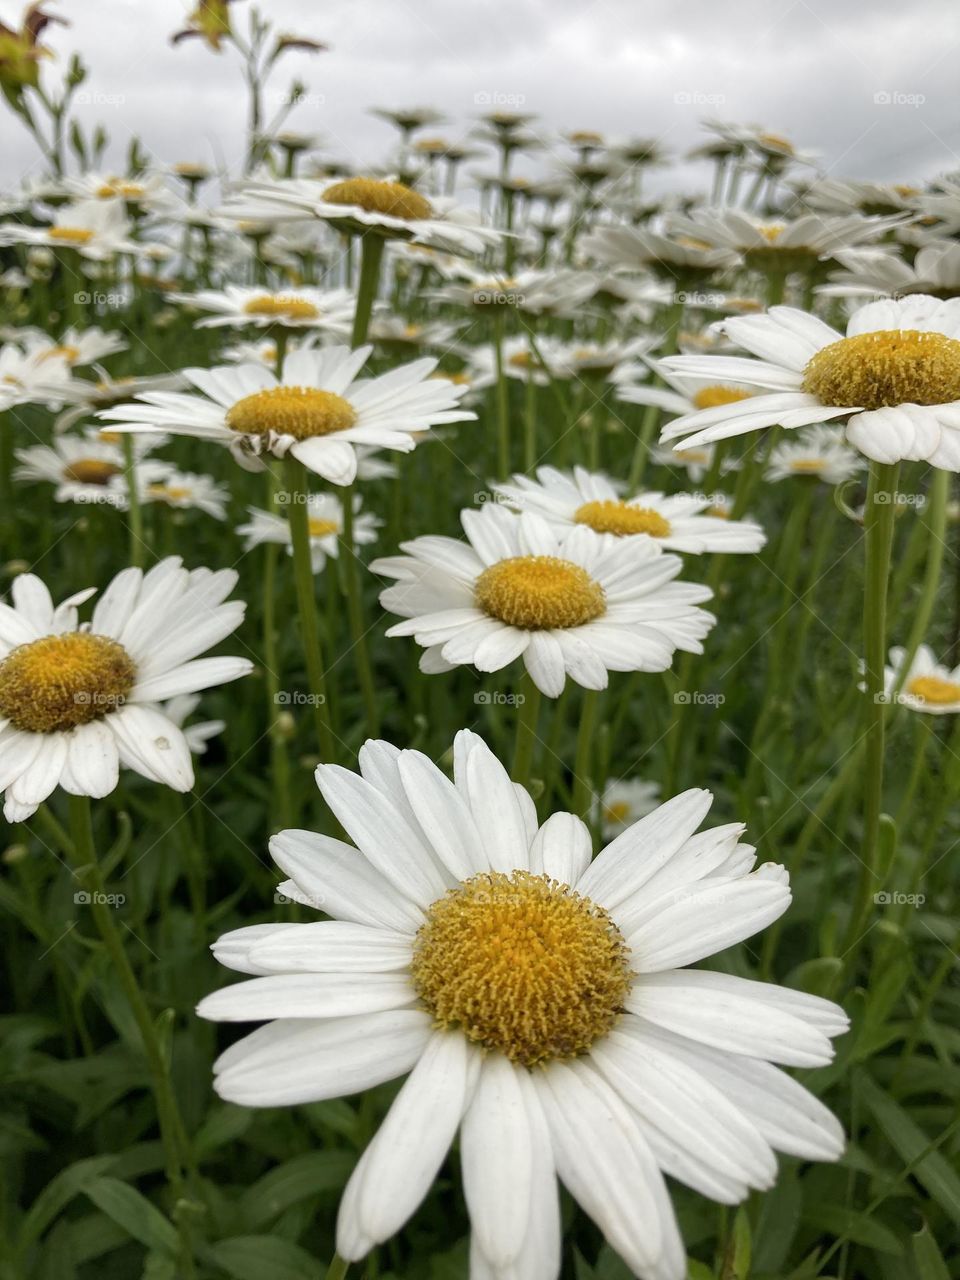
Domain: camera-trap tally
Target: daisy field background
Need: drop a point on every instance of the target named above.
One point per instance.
(479, 641)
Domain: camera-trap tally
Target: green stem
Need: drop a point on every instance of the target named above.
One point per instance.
(307, 604)
(371, 255)
(582, 781)
(137, 544)
(348, 556)
(503, 407)
(935, 518)
(280, 763)
(338, 1268)
(528, 711)
(878, 528)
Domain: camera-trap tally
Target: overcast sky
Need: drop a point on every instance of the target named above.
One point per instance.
(870, 84)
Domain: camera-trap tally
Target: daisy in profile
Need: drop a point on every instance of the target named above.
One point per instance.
(624, 803)
(925, 685)
(868, 272)
(85, 396)
(25, 379)
(697, 463)
(895, 378)
(785, 244)
(145, 193)
(95, 229)
(182, 490)
(78, 700)
(592, 501)
(818, 452)
(641, 247)
(565, 600)
(324, 521)
(83, 468)
(294, 308)
(318, 411)
(539, 1005)
(76, 346)
(681, 395)
(358, 205)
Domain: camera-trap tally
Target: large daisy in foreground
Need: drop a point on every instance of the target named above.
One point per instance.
(569, 602)
(895, 377)
(592, 501)
(77, 700)
(318, 410)
(539, 1003)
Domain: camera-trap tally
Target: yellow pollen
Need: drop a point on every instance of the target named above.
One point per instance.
(906, 192)
(775, 140)
(390, 198)
(691, 242)
(772, 232)
(522, 965)
(321, 528)
(54, 684)
(713, 397)
(67, 351)
(91, 471)
(520, 360)
(71, 235)
(279, 307)
(115, 187)
(619, 811)
(719, 513)
(693, 455)
(170, 492)
(622, 519)
(301, 412)
(933, 689)
(586, 137)
(888, 367)
(539, 593)
(807, 466)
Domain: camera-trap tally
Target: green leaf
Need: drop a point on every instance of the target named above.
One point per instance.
(777, 1223)
(134, 1212)
(927, 1257)
(256, 1257)
(58, 1193)
(859, 1227)
(935, 1173)
(742, 1249)
(296, 1179)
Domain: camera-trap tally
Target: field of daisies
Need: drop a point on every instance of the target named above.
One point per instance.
(479, 703)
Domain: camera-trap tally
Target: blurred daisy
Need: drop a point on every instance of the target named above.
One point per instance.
(787, 243)
(696, 462)
(895, 377)
(460, 951)
(845, 196)
(25, 379)
(818, 451)
(325, 522)
(926, 685)
(83, 469)
(145, 192)
(78, 700)
(867, 272)
(592, 501)
(682, 395)
(85, 396)
(300, 308)
(567, 601)
(624, 803)
(76, 346)
(318, 411)
(179, 709)
(183, 490)
(95, 229)
(625, 246)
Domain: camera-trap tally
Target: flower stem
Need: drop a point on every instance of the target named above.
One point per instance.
(137, 543)
(358, 632)
(371, 255)
(503, 407)
(934, 517)
(338, 1268)
(582, 779)
(528, 711)
(307, 603)
(878, 526)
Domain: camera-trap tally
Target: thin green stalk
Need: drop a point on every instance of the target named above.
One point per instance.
(935, 518)
(583, 782)
(371, 255)
(135, 511)
(502, 402)
(528, 709)
(349, 562)
(338, 1268)
(307, 603)
(878, 527)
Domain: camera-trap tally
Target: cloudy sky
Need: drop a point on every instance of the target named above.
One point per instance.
(870, 84)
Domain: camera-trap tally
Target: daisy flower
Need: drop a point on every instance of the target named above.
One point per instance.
(895, 377)
(146, 192)
(625, 246)
(696, 462)
(76, 346)
(458, 956)
(85, 396)
(845, 196)
(325, 523)
(624, 803)
(784, 243)
(358, 205)
(818, 451)
(25, 379)
(78, 700)
(681, 395)
(318, 411)
(592, 501)
(179, 709)
(95, 229)
(294, 308)
(183, 490)
(926, 685)
(935, 270)
(567, 601)
(83, 468)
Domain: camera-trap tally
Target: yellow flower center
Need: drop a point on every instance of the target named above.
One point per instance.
(520, 360)
(116, 187)
(278, 307)
(775, 140)
(67, 351)
(933, 689)
(169, 492)
(539, 593)
(320, 528)
(618, 811)
(54, 684)
(807, 466)
(91, 471)
(906, 192)
(390, 198)
(772, 232)
(696, 456)
(522, 965)
(888, 367)
(713, 397)
(612, 516)
(71, 235)
(301, 412)
(692, 242)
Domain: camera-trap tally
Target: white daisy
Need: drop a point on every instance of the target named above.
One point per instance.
(27, 379)
(696, 462)
(318, 411)
(293, 308)
(145, 192)
(183, 490)
(680, 395)
(85, 396)
(178, 709)
(95, 229)
(818, 451)
(83, 468)
(868, 272)
(626, 246)
(846, 196)
(76, 346)
(592, 501)
(357, 205)
(895, 377)
(787, 243)
(325, 523)
(624, 803)
(459, 952)
(568, 601)
(78, 700)
(926, 686)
